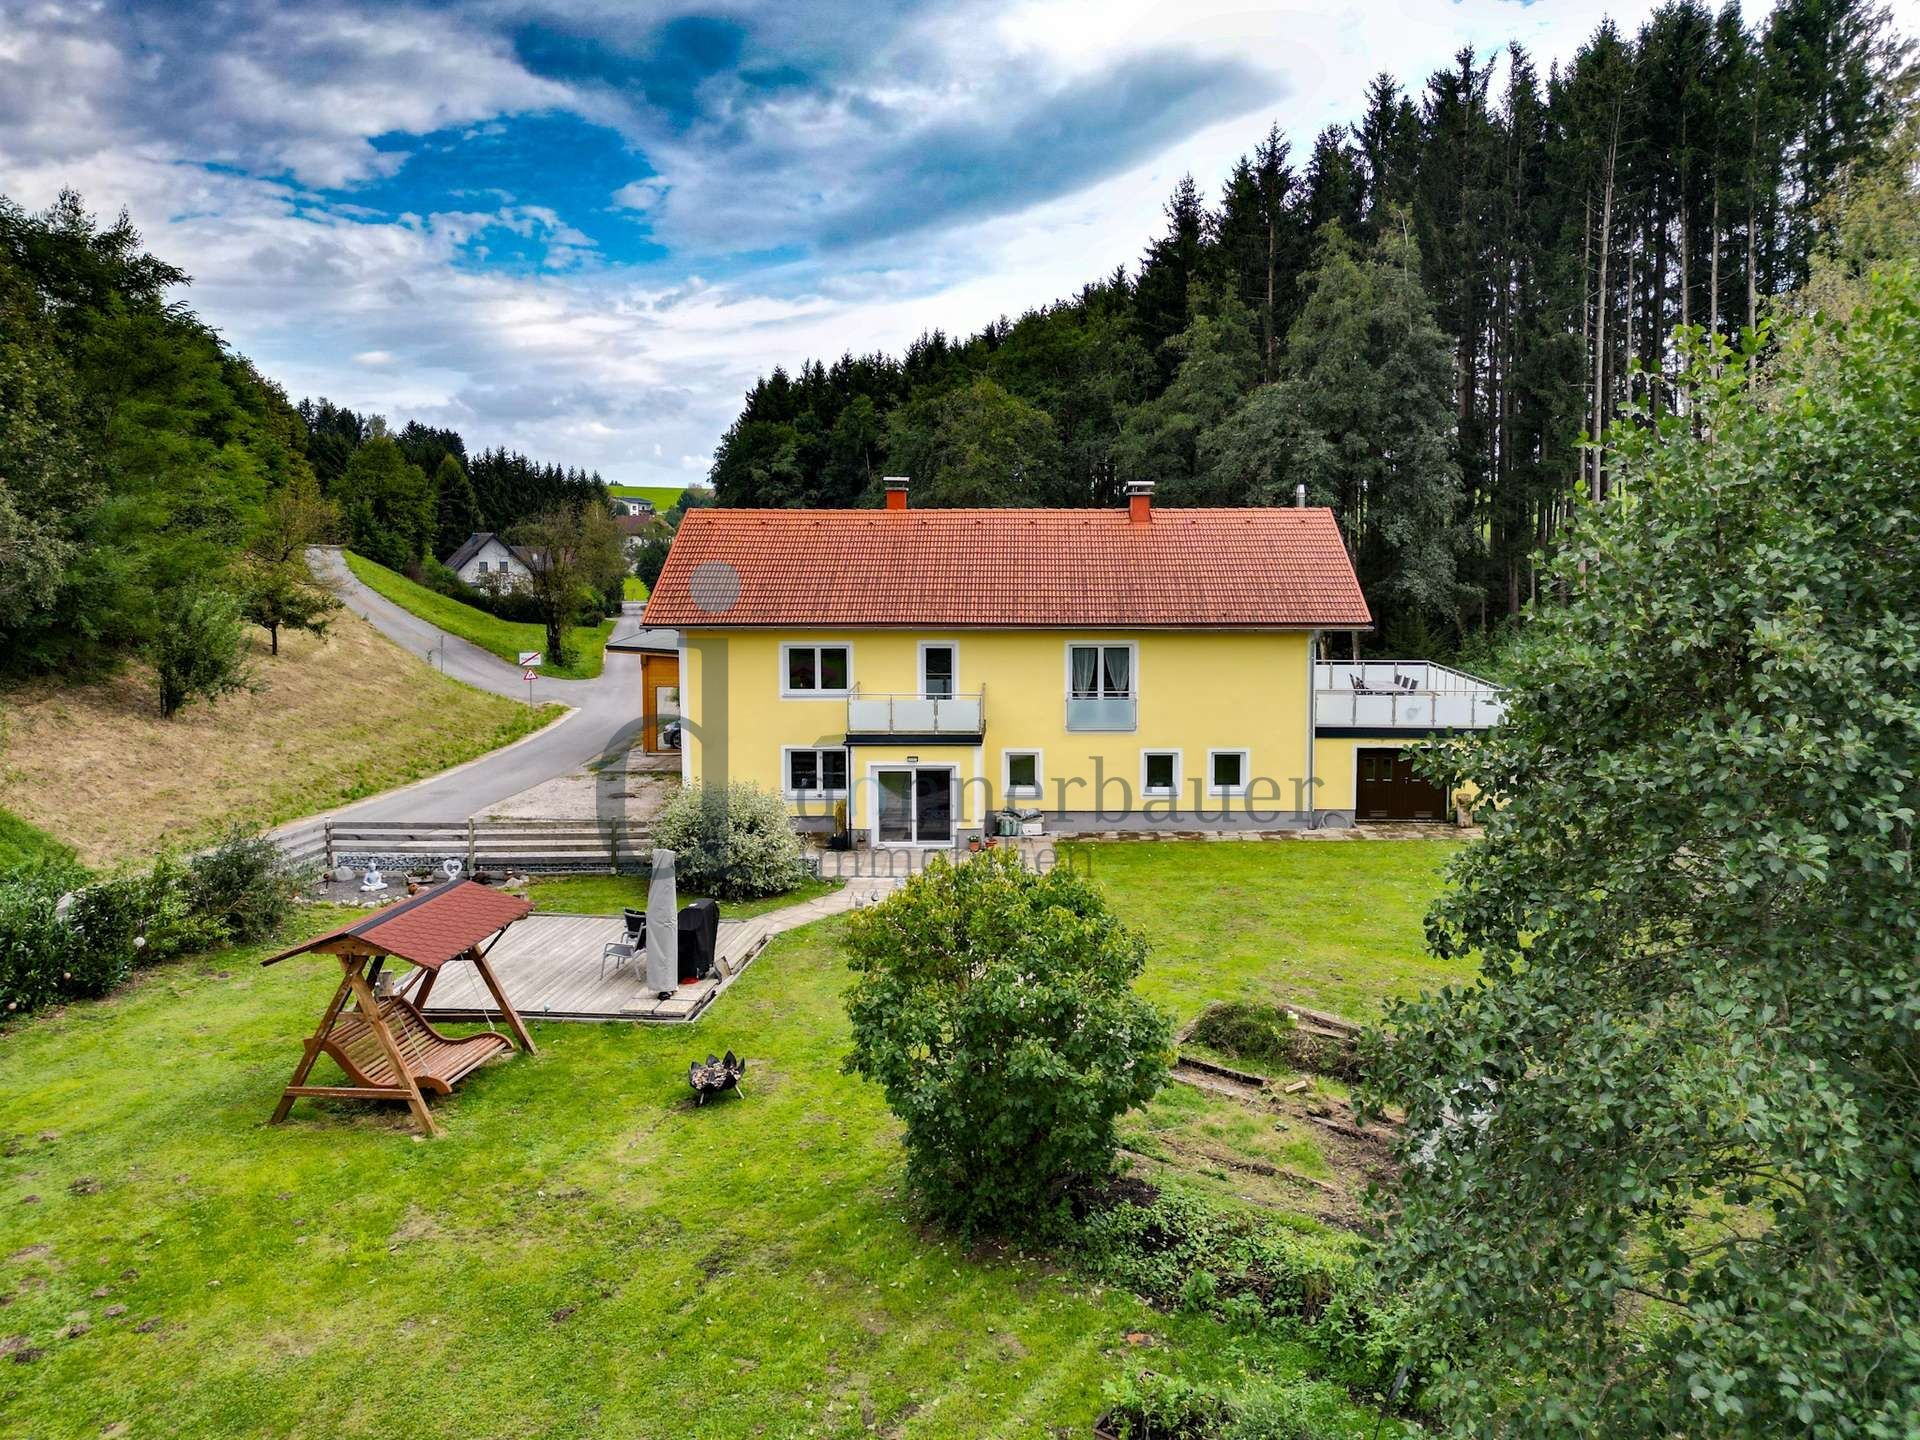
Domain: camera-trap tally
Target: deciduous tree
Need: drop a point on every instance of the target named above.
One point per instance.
(1660, 1166)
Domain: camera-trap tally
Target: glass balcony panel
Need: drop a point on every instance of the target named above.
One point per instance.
(1102, 712)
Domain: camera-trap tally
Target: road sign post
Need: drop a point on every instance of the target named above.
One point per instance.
(528, 677)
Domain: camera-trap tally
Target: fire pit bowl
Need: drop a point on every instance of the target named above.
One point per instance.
(715, 1076)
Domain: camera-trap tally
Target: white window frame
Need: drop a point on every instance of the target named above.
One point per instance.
(920, 674)
(1179, 773)
(1007, 792)
(1246, 773)
(787, 753)
(787, 693)
(1100, 669)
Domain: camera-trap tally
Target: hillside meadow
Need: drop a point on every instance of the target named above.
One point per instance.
(333, 720)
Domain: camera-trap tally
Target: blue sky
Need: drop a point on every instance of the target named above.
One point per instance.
(582, 229)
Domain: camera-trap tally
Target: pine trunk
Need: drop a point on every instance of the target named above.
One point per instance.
(1600, 316)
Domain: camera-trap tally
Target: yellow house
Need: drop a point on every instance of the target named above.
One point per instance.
(907, 674)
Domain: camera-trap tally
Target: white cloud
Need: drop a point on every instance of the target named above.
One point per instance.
(637, 372)
(640, 194)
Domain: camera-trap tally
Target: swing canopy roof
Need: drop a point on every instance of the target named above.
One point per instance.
(428, 929)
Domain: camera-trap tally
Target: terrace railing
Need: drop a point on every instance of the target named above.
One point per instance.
(917, 714)
(1403, 695)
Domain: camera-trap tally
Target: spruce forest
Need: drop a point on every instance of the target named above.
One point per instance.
(1428, 317)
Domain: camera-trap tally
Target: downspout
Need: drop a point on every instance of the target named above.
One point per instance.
(1313, 647)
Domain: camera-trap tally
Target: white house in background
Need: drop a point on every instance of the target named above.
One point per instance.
(627, 505)
(488, 562)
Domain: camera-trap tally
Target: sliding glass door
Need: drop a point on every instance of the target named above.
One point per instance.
(915, 805)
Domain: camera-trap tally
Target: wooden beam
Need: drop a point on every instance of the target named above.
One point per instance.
(311, 1053)
(370, 1007)
(507, 1012)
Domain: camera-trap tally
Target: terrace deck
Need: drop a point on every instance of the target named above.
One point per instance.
(550, 967)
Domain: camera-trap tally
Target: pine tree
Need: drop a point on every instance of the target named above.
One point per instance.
(1167, 273)
(457, 509)
(1217, 362)
(1362, 417)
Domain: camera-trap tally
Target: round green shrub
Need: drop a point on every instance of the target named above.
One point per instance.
(995, 1008)
(733, 843)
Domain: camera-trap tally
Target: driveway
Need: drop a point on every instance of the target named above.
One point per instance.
(604, 724)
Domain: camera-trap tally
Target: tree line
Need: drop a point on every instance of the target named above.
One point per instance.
(158, 493)
(1430, 322)
(418, 491)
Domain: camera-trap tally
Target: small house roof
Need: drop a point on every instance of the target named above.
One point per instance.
(428, 929)
(471, 547)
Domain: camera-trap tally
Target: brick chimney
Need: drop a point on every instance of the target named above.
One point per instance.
(1140, 502)
(896, 492)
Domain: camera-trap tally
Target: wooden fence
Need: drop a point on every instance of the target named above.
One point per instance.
(530, 845)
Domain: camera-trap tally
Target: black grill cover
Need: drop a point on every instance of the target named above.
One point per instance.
(699, 936)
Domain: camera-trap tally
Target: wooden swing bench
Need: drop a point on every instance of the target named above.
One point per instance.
(383, 1044)
(436, 1062)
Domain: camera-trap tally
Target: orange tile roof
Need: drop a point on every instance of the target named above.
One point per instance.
(1183, 569)
(430, 928)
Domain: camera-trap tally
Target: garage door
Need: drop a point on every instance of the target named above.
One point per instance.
(1389, 790)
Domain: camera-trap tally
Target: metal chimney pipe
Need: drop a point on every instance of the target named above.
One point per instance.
(1300, 495)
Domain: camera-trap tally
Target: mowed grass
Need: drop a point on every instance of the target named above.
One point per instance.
(506, 638)
(96, 767)
(21, 843)
(633, 588)
(611, 894)
(1335, 925)
(664, 497)
(584, 1252)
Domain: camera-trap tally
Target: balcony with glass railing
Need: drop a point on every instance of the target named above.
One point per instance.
(1403, 695)
(1103, 712)
(879, 716)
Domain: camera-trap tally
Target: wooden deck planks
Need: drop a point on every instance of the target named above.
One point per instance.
(550, 968)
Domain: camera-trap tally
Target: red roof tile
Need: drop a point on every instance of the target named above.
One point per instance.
(1184, 569)
(430, 928)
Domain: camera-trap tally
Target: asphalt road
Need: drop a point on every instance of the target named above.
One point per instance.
(605, 719)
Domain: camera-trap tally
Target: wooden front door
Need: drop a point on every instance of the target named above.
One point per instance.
(1387, 789)
(660, 702)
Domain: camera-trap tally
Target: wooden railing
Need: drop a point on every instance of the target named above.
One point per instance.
(532, 845)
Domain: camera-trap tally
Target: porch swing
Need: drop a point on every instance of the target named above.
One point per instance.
(383, 1044)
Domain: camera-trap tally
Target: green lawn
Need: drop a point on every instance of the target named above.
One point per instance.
(610, 894)
(21, 842)
(584, 1253)
(634, 588)
(504, 638)
(1333, 925)
(664, 497)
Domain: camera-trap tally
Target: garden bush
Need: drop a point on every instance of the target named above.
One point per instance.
(1247, 1031)
(995, 1008)
(734, 843)
(1184, 1252)
(36, 945)
(240, 890)
(1153, 1406)
(1268, 1035)
(243, 886)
